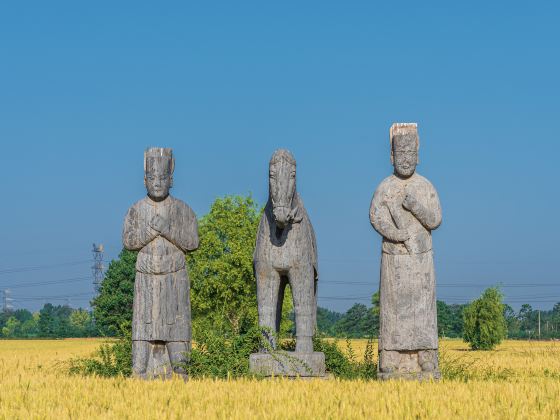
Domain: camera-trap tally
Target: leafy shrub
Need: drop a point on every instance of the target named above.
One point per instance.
(484, 322)
(222, 354)
(111, 359)
(347, 366)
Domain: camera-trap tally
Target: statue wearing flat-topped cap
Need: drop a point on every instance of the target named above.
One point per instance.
(162, 229)
(404, 211)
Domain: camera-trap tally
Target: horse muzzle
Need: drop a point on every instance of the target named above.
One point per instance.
(282, 216)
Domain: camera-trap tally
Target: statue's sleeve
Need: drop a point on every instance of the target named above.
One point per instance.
(184, 231)
(136, 235)
(430, 215)
(380, 217)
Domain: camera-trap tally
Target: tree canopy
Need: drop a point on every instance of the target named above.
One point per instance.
(484, 322)
(112, 307)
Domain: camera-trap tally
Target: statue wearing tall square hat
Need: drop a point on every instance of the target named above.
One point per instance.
(405, 210)
(162, 229)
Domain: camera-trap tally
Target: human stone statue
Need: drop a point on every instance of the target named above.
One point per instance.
(286, 253)
(404, 210)
(163, 229)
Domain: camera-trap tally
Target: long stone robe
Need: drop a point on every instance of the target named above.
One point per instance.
(408, 314)
(161, 308)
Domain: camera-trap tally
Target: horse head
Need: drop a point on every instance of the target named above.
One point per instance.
(282, 187)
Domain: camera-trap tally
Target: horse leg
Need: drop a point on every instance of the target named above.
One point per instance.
(302, 282)
(280, 303)
(268, 285)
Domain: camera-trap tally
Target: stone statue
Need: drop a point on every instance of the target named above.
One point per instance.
(162, 228)
(286, 252)
(404, 210)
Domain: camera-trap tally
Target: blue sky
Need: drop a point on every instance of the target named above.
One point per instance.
(84, 88)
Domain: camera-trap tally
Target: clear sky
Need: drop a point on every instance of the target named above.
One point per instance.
(85, 87)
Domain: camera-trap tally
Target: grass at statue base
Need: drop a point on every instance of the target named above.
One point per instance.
(33, 386)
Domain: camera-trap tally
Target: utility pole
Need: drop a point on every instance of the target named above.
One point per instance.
(97, 267)
(7, 301)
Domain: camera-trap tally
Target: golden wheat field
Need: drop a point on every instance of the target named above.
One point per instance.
(518, 380)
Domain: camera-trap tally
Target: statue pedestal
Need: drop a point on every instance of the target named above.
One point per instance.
(290, 364)
(412, 365)
(410, 376)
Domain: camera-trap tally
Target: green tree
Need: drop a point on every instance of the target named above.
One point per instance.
(112, 307)
(450, 319)
(80, 320)
(46, 321)
(54, 321)
(11, 328)
(223, 288)
(375, 308)
(484, 322)
(22, 315)
(511, 321)
(525, 317)
(30, 328)
(357, 322)
(326, 319)
(556, 316)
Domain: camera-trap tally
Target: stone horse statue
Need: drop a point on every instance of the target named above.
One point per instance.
(286, 252)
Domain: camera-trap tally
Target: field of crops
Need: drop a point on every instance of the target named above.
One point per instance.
(518, 380)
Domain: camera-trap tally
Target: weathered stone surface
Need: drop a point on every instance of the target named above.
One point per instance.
(404, 210)
(163, 229)
(289, 364)
(286, 253)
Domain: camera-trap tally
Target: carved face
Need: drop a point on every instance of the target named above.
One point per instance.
(282, 185)
(158, 178)
(405, 155)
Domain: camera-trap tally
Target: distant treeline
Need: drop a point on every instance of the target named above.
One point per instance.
(360, 321)
(50, 322)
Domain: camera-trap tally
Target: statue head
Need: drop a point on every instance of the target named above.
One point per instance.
(282, 187)
(404, 148)
(158, 172)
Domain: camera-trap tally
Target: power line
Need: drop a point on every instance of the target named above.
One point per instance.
(41, 267)
(48, 282)
(56, 297)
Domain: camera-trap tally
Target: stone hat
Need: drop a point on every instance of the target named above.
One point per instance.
(403, 129)
(163, 154)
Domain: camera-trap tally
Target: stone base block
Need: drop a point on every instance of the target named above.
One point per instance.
(417, 365)
(290, 364)
(410, 376)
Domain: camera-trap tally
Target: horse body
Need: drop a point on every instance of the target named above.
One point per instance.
(286, 253)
